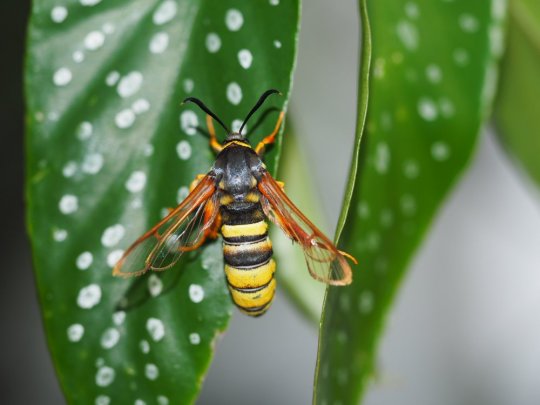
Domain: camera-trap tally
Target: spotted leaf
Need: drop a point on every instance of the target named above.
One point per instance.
(431, 82)
(109, 148)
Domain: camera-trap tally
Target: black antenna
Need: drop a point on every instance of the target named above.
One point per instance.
(259, 103)
(206, 110)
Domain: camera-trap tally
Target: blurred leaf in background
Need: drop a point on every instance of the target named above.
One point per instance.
(302, 289)
(516, 108)
(431, 84)
(109, 149)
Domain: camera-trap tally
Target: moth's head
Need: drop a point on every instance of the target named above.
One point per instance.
(233, 135)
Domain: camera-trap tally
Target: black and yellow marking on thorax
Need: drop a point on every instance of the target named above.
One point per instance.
(247, 253)
(238, 143)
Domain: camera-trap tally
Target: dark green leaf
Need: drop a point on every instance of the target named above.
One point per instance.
(430, 83)
(108, 148)
(516, 107)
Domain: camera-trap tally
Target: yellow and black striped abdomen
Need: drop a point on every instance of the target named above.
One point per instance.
(249, 266)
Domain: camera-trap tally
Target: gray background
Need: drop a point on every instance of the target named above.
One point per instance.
(465, 328)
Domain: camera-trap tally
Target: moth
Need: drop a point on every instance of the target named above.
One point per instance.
(236, 198)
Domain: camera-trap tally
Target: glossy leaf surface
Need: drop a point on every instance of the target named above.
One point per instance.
(108, 149)
(431, 81)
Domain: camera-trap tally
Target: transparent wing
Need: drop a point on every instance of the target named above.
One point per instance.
(184, 229)
(325, 262)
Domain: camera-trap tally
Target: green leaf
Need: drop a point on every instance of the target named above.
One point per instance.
(431, 83)
(108, 149)
(516, 106)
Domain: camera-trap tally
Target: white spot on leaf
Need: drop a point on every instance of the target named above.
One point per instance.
(130, 84)
(408, 35)
(92, 163)
(89, 296)
(62, 77)
(68, 204)
(433, 73)
(119, 317)
(69, 169)
(110, 338)
(155, 328)
(234, 19)
(85, 130)
(60, 235)
(245, 58)
(94, 40)
(155, 285)
(411, 9)
(194, 338)
(75, 332)
(440, 151)
(84, 260)
(213, 42)
(59, 14)
(140, 106)
(236, 124)
(151, 371)
(234, 93)
(188, 85)
(136, 181)
(162, 400)
(159, 43)
(427, 109)
(165, 12)
(189, 122)
(382, 157)
(184, 150)
(103, 400)
(144, 346)
(112, 78)
(105, 376)
(468, 23)
(196, 293)
(114, 256)
(112, 235)
(124, 119)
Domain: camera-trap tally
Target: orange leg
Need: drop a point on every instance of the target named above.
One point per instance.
(213, 140)
(270, 139)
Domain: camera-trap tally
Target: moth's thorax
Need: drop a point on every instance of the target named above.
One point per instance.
(235, 167)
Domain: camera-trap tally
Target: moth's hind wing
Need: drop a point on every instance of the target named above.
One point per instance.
(325, 262)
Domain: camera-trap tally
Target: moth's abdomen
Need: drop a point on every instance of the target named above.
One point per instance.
(249, 266)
